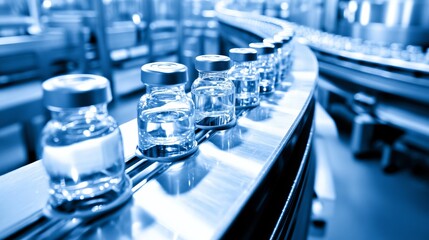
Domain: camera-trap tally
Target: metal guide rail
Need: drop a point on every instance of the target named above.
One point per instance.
(406, 68)
(140, 172)
(375, 67)
(371, 53)
(260, 25)
(264, 157)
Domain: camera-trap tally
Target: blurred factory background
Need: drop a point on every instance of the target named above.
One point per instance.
(374, 82)
(42, 39)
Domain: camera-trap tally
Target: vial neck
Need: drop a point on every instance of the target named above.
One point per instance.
(246, 64)
(98, 111)
(218, 75)
(162, 89)
(265, 57)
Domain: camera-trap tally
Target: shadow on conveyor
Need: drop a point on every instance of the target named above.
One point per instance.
(260, 114)
(117, 224)
(229, 139)
(183, 176)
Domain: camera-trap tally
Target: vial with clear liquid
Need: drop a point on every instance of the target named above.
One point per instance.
(278, 56)
(266, 66)
(287, 50)
(245, 77)
(165, 114)
(213, 93)
(82, 147)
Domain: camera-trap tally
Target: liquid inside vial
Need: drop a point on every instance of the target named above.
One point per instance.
(247, 91)
(83, 170)
(266, 84)
(166, 134)
(215, 106)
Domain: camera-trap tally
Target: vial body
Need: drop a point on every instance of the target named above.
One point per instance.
(246, 79)
(267, 71)
(277, 56)
(83, 156)
(166, 118)
(283, 65)
(214, 97)
(286, 52)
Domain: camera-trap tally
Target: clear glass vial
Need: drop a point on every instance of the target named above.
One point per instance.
(165, 114)
(266, 66)
(245, 76)
(278, 55)
(82, 147)
(213, 93)
(287, 38)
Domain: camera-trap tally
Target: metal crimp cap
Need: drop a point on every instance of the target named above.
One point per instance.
(243, 54)
(276, 42)
(212, 63)
(263, 48)
(164, 73)
(76, 90)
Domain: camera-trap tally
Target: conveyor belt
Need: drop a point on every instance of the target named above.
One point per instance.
(253, 180)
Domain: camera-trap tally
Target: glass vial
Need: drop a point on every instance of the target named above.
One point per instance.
(213, 93)
(266, 66)
(82, 146)
(166, 116)
(245, 76)
(286, 37)
(278, 53)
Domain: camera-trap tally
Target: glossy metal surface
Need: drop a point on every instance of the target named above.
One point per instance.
(356, 50)
(194, 199)
(403, 21)
(387, 21)
(381, 80)
(383, 33)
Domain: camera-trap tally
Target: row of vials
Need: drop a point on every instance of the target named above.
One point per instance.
(82, 144)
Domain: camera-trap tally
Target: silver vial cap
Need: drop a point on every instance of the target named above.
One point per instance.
(263, 48)
(212, 63)
(276, 42)
(76, 90)
(243, 54)
(164, 73)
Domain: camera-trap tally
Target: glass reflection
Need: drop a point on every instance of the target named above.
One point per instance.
(182, 176)
(260, 114)
(125, 222)
(114, 225)
(286, 83)
(273, 98)
(229, 139)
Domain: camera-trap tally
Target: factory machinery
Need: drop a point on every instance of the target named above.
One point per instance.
(374, 65)
(254, 180)
(373, 59)
(41, 39)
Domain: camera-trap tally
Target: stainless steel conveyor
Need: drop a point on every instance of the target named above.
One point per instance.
(253, 180)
